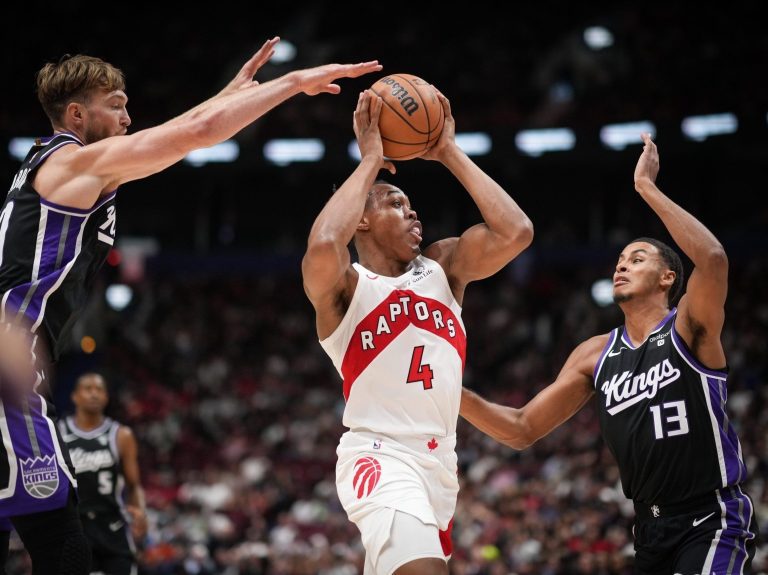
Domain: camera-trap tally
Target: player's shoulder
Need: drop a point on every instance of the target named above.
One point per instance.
(592, 348)
(441, 250)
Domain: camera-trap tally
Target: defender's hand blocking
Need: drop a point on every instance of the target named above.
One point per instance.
(648, 165)
(244, 78)
(321, 79)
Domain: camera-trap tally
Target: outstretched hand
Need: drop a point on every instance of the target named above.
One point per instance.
(365, 122)
(244, 78)
(447, 138)
(648, 165)
(313, 81)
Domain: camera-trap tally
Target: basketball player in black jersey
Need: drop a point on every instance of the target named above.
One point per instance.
(660, 382)
(111, 498)
(56, 227)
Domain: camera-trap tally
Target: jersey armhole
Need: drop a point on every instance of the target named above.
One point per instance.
(690, 359)
(599, 365)
(331, 339)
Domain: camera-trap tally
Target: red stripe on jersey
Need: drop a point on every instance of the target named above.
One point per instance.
(356, 359)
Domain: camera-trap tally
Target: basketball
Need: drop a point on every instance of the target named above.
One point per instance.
(412, 117)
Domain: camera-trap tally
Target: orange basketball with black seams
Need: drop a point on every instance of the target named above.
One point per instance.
(412, 117)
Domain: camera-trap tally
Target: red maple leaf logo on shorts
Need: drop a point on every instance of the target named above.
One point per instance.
(432, 444)
(367, 475)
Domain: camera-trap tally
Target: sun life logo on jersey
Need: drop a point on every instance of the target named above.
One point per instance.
(626, 389)
(40, 476)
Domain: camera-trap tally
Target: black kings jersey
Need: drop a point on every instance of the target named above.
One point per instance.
(663, 416)
(49, 254)
(97, 465)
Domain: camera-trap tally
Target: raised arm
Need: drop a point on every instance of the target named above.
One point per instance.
(485, 248)
(701, 310)
(76, 176)
(326, 266)
(135, 503)
(552, 406)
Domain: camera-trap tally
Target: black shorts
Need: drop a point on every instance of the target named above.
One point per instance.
(715, 534)
(112, 548)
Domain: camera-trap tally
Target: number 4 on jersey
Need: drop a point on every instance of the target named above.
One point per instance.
(419, 372)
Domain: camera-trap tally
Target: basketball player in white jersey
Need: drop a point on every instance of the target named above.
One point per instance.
(392, 326)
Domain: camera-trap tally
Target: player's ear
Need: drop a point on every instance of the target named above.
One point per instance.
(74, 112)
(364, 224)
(668, 278)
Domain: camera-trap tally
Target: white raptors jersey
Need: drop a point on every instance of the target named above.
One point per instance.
(400, 350)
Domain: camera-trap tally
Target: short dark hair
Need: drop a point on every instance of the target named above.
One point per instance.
(87, 375)
(73, 78)
(673, 262)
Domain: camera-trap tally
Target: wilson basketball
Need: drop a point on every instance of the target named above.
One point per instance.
(412, 117)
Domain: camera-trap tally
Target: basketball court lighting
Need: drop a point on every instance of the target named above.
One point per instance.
(598, 37)
(699, 128)
(285, 51)
(474, 143)
(118, 296)
(18, 147)
(602, 292)
(225, 152)
(619, 136)
(285, 151)
(536, 142)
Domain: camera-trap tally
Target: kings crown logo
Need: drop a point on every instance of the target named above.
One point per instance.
(40, 476)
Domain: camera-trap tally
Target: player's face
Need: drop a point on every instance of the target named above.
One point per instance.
(394, 223)
(638, 272)
(106, 115)
(90, 395)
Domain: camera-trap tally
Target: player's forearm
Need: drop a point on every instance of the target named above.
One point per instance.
(337, 222)
(224, 115)
(135, 496)
(504, 424)
(696, 241)
(500, 212)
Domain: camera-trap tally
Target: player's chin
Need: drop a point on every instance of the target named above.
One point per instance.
(619, 297)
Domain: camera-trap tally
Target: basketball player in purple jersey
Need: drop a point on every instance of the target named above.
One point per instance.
(660, 384)
(57, 225)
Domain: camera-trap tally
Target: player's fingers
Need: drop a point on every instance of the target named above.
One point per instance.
(355, 70)
(375, 107)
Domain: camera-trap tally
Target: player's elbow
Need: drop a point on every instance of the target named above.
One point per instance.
(519, 237)
(519, 434)
(716, 258)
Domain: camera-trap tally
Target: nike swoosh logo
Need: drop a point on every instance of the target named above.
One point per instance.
(697, 522)
(615, 353)
(116, 525)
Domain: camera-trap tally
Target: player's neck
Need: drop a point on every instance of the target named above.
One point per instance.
(384, 266)
(88, 421)
(641, 318)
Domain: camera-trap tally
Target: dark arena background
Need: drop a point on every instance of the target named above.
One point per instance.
(201, 326)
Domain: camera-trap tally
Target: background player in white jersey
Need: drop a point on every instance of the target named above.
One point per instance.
(57, 225)
(111, 499)
(660, 382)
(391, 324)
